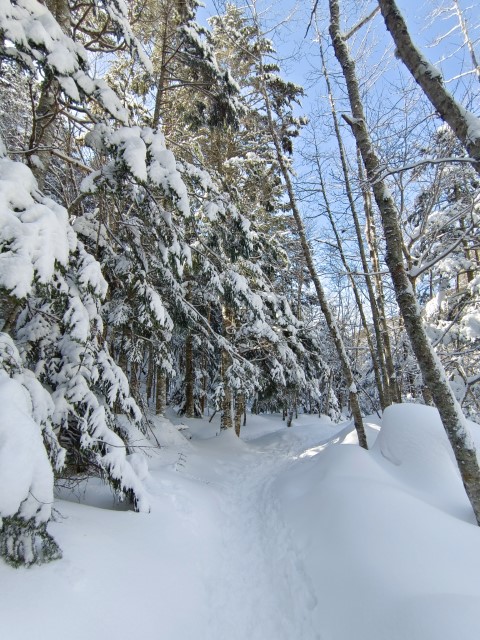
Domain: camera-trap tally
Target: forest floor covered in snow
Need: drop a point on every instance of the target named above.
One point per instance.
(283, 534)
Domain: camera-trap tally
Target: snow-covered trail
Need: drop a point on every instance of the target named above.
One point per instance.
(258, 587)
(255, 579)
(214, 560)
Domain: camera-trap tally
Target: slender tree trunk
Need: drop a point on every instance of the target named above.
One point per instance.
(395, 394)
(239, 411)
(204, 387)
(465, 124)
(327, 397)
(204, 398)
(299, 290)
(189, 408)
(150, 372)
(162, 80)
(122, 355)
(134, 378)
(373, 352)
(321, 297)
(378, 359)
(160, 393)
(432, 370)
(226, 420)
(466, 37)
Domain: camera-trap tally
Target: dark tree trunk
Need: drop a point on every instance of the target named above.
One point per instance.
(239, 412)
(160, 393)
(189, 408)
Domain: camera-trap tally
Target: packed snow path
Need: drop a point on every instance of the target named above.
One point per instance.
(258, 588)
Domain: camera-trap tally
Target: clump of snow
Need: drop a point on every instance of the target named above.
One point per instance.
(470, 327)
(145, 156)
(26, 477)
(34, 230)
(132, 149)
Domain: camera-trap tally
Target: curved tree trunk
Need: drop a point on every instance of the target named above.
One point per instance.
(465, 124)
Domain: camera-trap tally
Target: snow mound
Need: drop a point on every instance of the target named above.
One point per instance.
(413, 441)
(400, 559)
(168, 434)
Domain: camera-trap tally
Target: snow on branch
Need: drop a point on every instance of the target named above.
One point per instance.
(34, 231)
(420, 163)
(32, 36)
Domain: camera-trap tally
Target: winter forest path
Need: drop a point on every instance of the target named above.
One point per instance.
(256, 582)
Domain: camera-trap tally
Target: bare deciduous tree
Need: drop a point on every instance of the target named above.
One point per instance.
(432, 370)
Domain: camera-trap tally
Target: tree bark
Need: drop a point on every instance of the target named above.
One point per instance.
(43, 133)
(465, 124)
(432, 369)
(150, 372)
(134, 378)
(466, 36)
(161, 393)
(373, 353)
(162, 80)
(383, 384)
(189, 408)
(226, 420)
(239, 412)
(395, 393)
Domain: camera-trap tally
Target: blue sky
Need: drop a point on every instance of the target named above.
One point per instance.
(289, 38)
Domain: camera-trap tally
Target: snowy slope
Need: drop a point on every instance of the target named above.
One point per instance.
(286, 534)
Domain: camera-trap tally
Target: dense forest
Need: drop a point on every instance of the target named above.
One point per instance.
(177, 231)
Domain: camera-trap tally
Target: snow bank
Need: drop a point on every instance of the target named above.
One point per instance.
(413, 447)
(387, 535)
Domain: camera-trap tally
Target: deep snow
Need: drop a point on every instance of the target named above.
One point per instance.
(285, 534)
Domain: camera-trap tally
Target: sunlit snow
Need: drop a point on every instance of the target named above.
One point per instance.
(284, 534)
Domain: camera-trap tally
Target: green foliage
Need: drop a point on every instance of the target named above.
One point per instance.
(24, 543)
